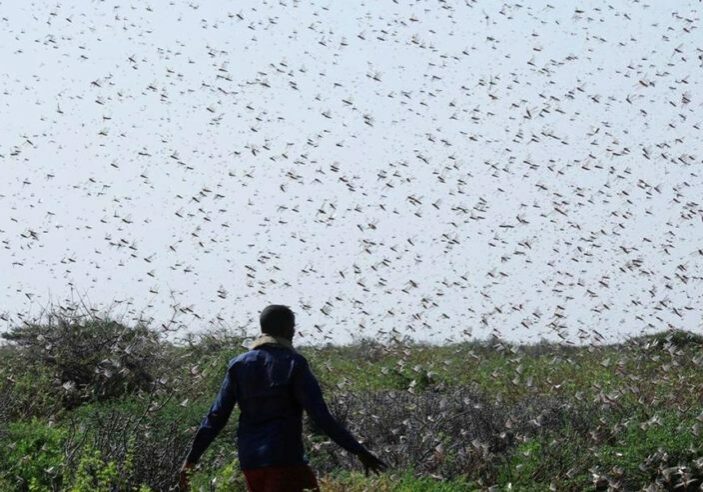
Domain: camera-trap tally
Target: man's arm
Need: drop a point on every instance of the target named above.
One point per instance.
(215, 419)
(308, 393)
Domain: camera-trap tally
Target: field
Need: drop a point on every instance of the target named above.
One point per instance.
(91, 404)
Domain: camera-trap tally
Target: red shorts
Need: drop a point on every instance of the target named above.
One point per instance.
(293, 478)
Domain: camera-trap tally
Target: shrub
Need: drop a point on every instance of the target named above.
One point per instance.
(31, 455)
(227, 478)
(94, 474)
(448, 434)
(147, 448)
(671, 338)
(86, 357)
(645, 449)
(403, 481)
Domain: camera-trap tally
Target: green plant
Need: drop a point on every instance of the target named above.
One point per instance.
(645, 447)
(31, 455)
(400, 481)
(226, 478)
(94, 474)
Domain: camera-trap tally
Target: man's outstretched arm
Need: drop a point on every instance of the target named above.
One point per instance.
(308, 393)
(215, 419)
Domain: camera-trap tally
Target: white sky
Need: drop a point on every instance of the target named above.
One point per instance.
(534, 169)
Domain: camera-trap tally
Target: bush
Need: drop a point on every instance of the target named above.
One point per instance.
(674, 338)
(94, 474)
(31, 455)
(227, 478)
(644, 451)
(147, 448)
(404, 481)
(87, 358)
(448, 434)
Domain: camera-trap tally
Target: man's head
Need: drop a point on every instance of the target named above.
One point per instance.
(278, 321)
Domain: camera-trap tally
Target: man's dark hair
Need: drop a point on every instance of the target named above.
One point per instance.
(277, 320)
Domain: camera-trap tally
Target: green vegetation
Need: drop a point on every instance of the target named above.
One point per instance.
(93, 404)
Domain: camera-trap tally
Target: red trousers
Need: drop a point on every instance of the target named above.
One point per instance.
(294, 478)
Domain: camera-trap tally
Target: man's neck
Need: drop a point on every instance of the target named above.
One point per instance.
(266, 339)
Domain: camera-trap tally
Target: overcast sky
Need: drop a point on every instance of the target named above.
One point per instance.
(442, 169)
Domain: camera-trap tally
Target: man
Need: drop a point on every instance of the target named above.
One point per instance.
(273, 385)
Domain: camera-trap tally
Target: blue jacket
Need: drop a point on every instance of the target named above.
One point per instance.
(272, 385)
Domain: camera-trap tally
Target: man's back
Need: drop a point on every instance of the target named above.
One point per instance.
(270, 420)
(273, 384)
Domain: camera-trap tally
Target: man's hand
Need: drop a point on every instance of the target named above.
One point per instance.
(372, 463)
(184, 478)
